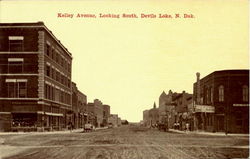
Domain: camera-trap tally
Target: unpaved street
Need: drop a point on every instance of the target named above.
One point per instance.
(126, 142)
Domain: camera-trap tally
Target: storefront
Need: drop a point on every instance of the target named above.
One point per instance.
(204, 117)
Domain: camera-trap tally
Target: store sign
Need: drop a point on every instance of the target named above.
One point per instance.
(241, 105)
(204, 108)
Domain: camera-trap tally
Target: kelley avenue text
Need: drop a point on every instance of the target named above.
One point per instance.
(124, 15)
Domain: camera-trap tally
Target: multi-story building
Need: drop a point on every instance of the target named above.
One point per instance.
(82, 109)
(35, 78)
(98, 112)
(167, 108)
(106, 113)
(146, 117)
(221, 101)
(113, 119)
(182, 106)
(79, 107)
(153, 116)
(91, 117)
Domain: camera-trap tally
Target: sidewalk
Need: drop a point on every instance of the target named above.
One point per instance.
(50, 132)
(207, 133)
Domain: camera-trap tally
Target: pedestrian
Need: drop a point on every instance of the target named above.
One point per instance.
(70, 126)
(187, 126)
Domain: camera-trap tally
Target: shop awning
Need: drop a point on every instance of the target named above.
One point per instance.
(204, 109)
(53, 114)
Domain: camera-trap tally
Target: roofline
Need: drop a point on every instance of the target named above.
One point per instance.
(222, 71)
(35, 25)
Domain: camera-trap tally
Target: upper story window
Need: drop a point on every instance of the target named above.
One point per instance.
(245, 93)
(15, 65)
(221, 93)
(48, 49)
(16, 43)
(57, 57)
(53, 53)
(69, 68)
(211, 95)
(17, 88)
(48, 70)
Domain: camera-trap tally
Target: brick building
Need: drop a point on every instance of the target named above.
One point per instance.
(167, 108)
(146, 117)
(183, 102)
(221, 101)
(35, 78)
(106, 114)
(79, 107)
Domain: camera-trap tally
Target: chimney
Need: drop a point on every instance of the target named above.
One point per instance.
(198, 88)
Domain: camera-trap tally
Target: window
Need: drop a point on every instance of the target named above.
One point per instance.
(62, 61)
(57, 57)
(47, 70)
(245, 93)
(57, 76)
(52, 73)
(48, 49)
(53, 54)
(52, 93)
(11, 90)
(69, 69)
(61, 96)
(16, 43)
(15, 65)
(221, 93)
(211, 94)
(46, 91)
(207, 96)
(69, 83)
(17, 88)
(57, 95)
(22, 89)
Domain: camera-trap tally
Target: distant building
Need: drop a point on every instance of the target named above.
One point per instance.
(98, 112)
(167, 108)
(106, 114)
(79, 107)
(91, 117)
(146, 118)
(183, 102)
(113, 119)
(35, 78)
(153, 117)
(221, 101)
(119, 121)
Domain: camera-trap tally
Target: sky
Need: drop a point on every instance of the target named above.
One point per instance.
(127, 62)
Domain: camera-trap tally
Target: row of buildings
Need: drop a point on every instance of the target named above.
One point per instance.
(219, 103)
(36, 90)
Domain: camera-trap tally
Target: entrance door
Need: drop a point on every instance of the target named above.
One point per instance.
(220, 123)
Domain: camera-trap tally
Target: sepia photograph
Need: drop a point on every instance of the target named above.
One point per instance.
(113, 79)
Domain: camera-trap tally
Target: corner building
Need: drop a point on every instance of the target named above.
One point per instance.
(221, 101)
(35, 78)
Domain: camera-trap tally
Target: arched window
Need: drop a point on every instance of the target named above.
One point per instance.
(245, 93)
(221, 93)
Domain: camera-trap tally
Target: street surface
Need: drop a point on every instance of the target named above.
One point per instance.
(125, 142)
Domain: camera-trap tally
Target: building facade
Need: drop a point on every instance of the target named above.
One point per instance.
(106, 114)
(182, 109)
(79, 107)
(35, 78)
(221, 101)
(113, 119)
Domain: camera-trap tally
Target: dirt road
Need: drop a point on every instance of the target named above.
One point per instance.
(126, 142)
